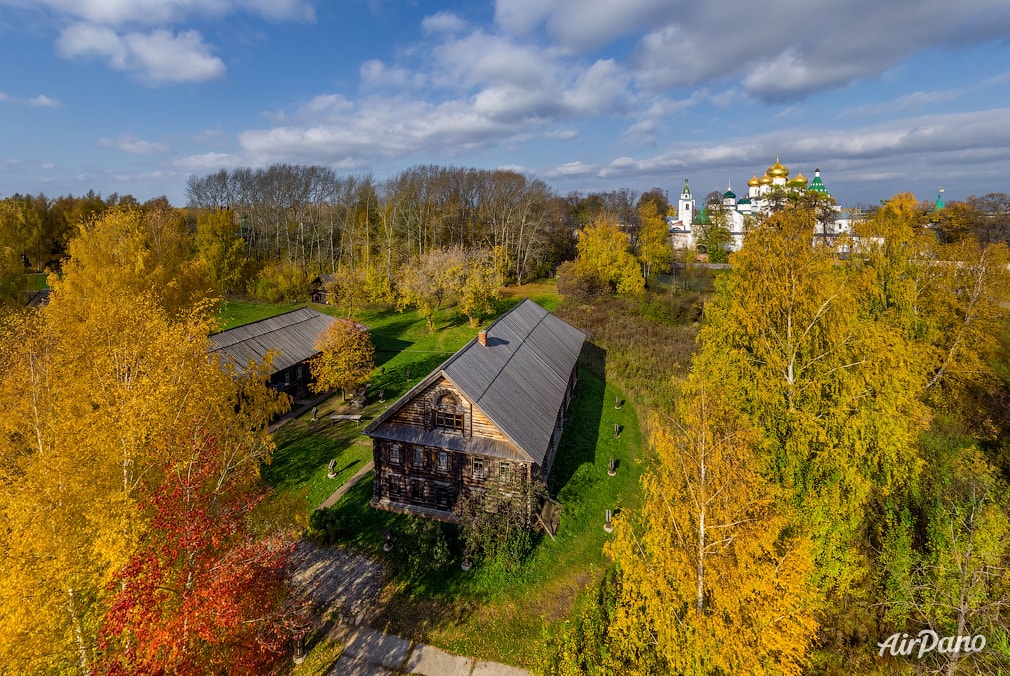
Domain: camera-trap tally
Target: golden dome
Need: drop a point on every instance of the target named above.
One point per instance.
(753, 181)
(799, 178)
(777, 170)
(765, 180)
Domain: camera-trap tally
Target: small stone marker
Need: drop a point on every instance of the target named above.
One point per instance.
(408, 374)
(607, 526)
(617, 402)
(613, 470)
(382, 396)
(315, 411)
(331, 474)
(617, 430)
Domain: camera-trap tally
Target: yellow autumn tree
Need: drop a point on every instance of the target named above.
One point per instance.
(346, 357)
(128, 251)
(712, 578)
(92, 386)
(604, 252)
(654, 250)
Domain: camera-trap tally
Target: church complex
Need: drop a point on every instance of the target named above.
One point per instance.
(685, 227)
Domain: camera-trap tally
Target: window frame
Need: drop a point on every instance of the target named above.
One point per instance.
(442, 462)
(478, 471)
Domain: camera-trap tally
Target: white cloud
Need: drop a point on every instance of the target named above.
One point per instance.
(160, 56)
(376, 74)
(443, 22)
(562, 134)
(128, 143)
(784, 50)
(571, 169)
(160, 12)
(208, 162)
(4, 97)
(43, 101)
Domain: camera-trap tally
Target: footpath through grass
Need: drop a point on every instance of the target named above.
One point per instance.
(488, 614)
(484, 613)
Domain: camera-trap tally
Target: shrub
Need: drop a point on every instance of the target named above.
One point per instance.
(328, 526)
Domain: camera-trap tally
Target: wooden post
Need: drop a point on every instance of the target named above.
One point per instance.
(613, 469)
(607, 526)
(315, 410)
(332, 474)
(617, 431)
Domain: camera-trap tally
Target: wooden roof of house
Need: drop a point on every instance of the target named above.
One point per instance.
(292, 336)
(518, 380)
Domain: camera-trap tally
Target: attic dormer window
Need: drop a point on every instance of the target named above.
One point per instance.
(446, 415)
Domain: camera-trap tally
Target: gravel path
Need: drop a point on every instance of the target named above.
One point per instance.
(337, 581)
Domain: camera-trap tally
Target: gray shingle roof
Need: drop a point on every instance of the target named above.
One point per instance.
(291, 335)
(518, 380)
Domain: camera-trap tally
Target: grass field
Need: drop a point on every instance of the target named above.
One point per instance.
(482, 613)
(36, 282)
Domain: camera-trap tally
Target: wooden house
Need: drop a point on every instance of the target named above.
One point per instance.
(318, 288)
(491, 414)
(291, 337)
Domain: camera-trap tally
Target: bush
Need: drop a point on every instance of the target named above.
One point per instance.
(496, 526)
(277, 282)
(424, 545)
(328, 526)
(581, 282)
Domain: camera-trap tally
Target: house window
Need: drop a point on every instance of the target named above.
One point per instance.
(446, 415)
(443, 497)
(443, 461)
(416, 490)
(394, 486)
(505, 473)
(287, 377)
(394, 454)
(478, 468)
(449, 421)
(418, 457)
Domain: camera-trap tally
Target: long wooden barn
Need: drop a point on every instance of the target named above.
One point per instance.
(291, 337)
(493, 412)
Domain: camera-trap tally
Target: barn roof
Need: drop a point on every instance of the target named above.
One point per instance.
(518, 380)
(292, 336)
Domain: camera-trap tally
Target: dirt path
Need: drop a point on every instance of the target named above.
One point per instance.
(339, 493)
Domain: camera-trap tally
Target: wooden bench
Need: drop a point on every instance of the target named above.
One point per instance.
(337, 417)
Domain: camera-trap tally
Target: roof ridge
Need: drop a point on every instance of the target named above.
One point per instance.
(266, 319)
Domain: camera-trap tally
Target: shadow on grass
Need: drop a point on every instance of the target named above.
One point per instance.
(578, 442)
(302, 448)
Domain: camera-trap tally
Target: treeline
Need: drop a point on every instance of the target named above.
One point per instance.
(312, 218)
(830, 490)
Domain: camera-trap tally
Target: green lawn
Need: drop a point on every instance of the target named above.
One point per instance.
(36, 282)
(487, 616)
(477, 613)
(236, 312)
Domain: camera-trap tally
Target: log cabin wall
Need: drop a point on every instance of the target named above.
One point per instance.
(431, 477)
(419, 411)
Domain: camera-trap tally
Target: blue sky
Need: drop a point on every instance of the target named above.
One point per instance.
(134, 96)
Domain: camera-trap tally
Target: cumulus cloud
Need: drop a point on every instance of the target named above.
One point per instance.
(128, 143)
(783, 51)
(443, 22)
(160, 56)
